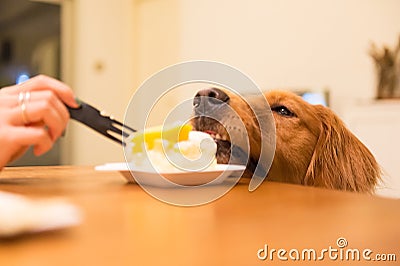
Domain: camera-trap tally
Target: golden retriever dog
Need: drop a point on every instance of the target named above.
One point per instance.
(313, 146)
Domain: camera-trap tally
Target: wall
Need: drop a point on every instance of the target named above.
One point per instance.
(307, 43)
(101, 71)
(157, 36)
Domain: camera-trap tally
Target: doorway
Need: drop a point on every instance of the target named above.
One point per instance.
(30, 45)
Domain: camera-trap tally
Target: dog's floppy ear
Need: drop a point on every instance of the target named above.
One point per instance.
(340, 160)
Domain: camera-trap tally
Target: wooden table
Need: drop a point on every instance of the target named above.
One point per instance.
(124, 225)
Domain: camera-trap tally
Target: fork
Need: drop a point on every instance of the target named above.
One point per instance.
(96, 120)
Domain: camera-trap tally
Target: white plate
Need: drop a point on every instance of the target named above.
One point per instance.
(210, 176)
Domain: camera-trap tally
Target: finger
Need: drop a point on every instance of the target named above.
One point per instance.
(37, 137)
(19, 153)
(50, 99)
(42, 82)
(13, 89)
(42, 111)
(8, 101)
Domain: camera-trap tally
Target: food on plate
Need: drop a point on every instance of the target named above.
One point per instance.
(171, 148)
(150, 136)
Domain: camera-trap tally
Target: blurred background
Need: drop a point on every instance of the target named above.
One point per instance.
(106, 49)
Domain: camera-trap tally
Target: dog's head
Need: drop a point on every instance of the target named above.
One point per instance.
(313, 146)
(233, 125)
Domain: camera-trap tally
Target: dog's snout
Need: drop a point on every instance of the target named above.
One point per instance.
(212, 95)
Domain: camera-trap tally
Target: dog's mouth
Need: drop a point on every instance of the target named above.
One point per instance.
(223, 146)
(218, 133)
(217, 136)
(214, 115)
(227, 152)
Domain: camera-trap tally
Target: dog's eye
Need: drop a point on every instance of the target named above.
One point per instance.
(282, 110)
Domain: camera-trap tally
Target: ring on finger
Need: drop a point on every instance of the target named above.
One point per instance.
(27, 96)
(24, 114)
(23, 98)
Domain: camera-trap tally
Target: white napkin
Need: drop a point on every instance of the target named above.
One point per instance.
(19, 214)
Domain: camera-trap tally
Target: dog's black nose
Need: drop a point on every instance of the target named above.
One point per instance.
(210, 96)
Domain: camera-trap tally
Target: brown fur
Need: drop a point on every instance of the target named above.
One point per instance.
(313, 147)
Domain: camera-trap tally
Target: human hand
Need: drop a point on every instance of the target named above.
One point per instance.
(33, 113)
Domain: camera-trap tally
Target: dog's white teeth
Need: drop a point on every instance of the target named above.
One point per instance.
(218, 136)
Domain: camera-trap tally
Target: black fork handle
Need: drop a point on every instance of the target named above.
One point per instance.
(92, 117)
